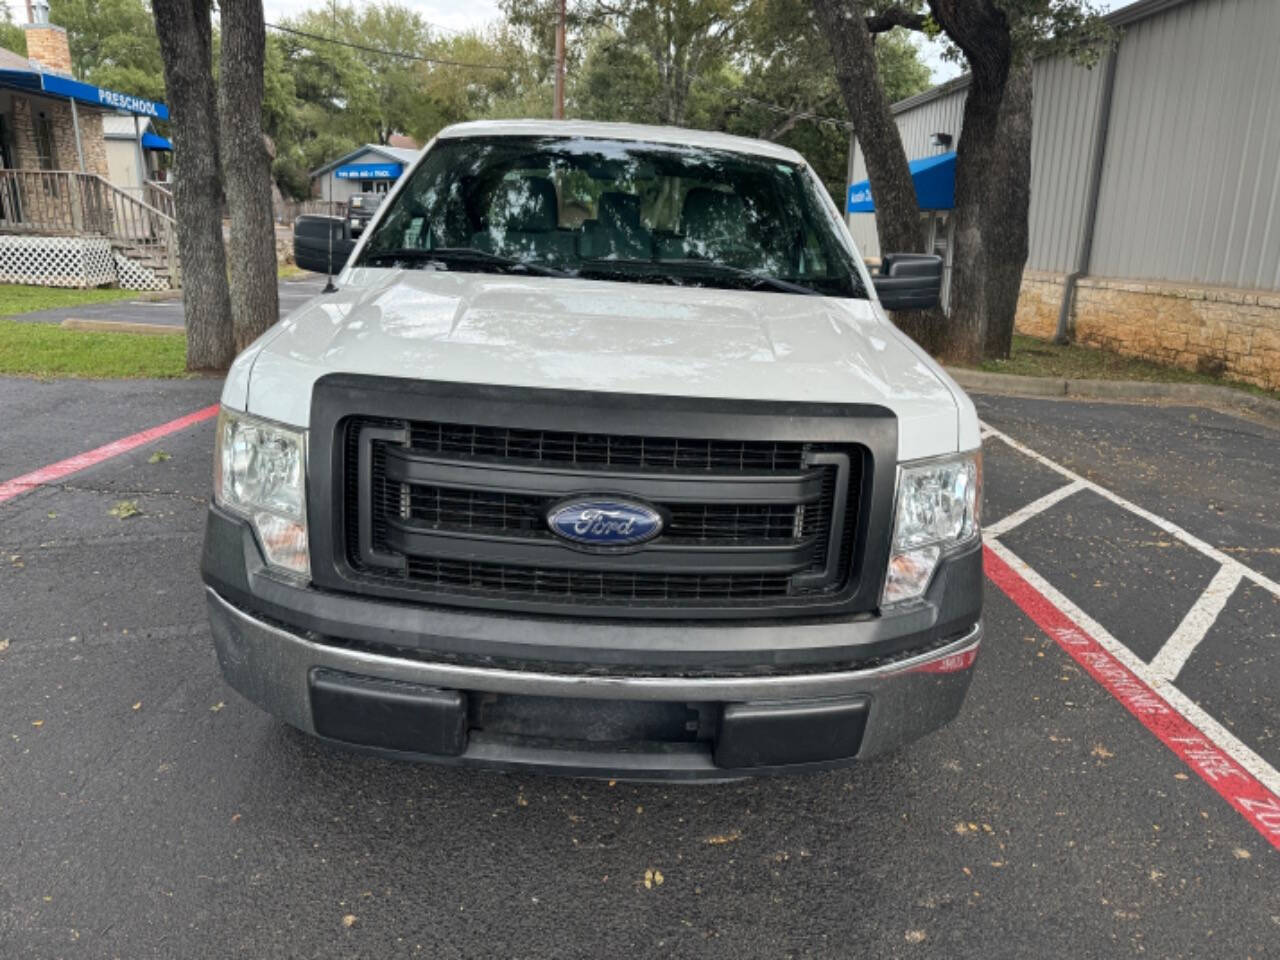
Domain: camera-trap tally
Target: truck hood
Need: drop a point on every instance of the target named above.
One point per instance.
(573, 334)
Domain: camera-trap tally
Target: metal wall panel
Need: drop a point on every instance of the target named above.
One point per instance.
(1191, 180)
(1063, 127)
(1190, 186)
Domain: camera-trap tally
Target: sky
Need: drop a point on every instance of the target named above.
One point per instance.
(464, 14)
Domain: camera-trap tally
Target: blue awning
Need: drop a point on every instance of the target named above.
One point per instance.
(153, 141)
(370, 171)
(69, 89)
(934, 179)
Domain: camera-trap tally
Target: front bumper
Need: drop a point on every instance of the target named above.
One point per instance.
(904, 700)
(765, 697)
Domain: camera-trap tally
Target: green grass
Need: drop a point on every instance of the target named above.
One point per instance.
(1041, 358)
(17, 298)
(44, 350)
(288, 271)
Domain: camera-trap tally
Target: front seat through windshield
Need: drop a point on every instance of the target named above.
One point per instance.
(616, 210)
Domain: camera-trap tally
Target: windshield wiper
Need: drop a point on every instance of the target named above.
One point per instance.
(409, 254)
(447, 255)
(756, 279)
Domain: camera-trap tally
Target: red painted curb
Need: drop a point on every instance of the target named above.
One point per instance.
(1250, 798)
(64, 468)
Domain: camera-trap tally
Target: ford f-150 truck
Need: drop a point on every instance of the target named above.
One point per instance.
(604, 459)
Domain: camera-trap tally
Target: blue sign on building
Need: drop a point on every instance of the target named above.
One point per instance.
(933, 177)
(88, 93)
(370, 171)
(38, 81)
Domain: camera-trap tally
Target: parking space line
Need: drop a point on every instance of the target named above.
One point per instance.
(1167, 526)
(1173, 656)
(1018, 517)
(82, 461)
(1241, 777)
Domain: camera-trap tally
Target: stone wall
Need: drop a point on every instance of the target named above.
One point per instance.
(1217, 330)
(26, 157)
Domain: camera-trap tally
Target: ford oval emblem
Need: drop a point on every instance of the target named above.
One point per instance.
(604, 522)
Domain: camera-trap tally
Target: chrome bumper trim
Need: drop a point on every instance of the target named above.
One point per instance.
(499, 680)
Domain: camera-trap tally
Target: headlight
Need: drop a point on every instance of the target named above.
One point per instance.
(260, 474)
(939, 504)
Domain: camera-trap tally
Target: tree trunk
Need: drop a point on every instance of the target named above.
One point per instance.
(255, 301)
(993, 182)
(897, 216)
(185, 33)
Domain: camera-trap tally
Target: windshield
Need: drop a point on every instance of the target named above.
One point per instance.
(615, 210)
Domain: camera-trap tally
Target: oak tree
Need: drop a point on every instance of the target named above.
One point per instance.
(246, 164)
(186, 43)
(997, 40)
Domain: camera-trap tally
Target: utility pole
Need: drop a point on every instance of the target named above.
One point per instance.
(557, 112)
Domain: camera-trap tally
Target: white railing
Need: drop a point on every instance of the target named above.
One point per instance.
(66, 203)
(160, 196)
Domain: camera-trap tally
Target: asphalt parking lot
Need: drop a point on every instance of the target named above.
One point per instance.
(1105, 792)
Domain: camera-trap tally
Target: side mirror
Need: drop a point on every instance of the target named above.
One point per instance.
(909, 281)
(314, 236)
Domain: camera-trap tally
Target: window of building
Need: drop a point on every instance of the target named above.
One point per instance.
(46, 155)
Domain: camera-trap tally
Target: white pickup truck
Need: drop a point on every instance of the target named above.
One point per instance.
(603, 459)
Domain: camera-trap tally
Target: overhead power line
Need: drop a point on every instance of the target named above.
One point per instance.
(778, 109)
(403, 55)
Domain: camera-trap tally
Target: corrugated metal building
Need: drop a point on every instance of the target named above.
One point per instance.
(1184, 260)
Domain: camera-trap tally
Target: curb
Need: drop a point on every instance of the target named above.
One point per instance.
(121, 326)
(1199, 394)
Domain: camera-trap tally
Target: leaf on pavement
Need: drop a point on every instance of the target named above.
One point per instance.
(125, 509)
(159, 457)
(719, 839)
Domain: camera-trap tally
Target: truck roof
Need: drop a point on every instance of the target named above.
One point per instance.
(679, 136)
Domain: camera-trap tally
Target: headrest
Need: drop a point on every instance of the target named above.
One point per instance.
(527, 205)
(617, 209)
(712, 214)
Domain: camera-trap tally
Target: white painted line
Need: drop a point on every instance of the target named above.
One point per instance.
(1167, 526)
(1018, 517)
(1173, 656)
(1213, 731)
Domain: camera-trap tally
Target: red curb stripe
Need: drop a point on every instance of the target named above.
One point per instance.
(64, 468)
(1229, 779)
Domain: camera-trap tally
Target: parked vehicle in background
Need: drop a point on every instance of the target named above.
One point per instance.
(360, 210)
(604, 459)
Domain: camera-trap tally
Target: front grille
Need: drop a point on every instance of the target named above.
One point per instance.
(524, 515)
(592, 586)
(590, 449)
(452, 512)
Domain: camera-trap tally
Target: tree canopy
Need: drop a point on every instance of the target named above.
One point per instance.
(340, 75)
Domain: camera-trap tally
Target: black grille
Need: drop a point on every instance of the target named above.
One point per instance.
(591, 586)
(590, 449)
(491, 522)
(432, 506)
